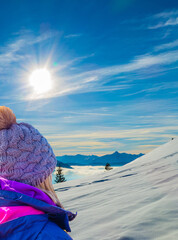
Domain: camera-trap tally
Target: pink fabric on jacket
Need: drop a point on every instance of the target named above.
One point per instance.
(13, 212)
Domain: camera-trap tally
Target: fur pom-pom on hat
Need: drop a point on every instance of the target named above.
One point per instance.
(25, 155)
(7, 117)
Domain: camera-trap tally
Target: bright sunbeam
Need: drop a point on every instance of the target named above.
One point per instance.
(40, 80)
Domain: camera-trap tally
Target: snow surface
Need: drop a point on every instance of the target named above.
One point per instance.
(136, 201)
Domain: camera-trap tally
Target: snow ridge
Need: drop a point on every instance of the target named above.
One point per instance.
(138, 201)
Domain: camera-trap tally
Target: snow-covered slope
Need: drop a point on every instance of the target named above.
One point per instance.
(136, 201)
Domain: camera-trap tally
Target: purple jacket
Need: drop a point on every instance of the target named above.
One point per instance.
(27, 212)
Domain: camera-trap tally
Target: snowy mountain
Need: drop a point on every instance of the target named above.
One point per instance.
(114, 159)
(138, 201)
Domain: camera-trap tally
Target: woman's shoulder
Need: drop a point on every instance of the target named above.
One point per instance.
(52, 231)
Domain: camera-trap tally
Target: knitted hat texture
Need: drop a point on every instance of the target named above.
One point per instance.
(25, 155)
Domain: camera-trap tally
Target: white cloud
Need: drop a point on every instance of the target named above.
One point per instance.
(166, 46)
(92, 81)
(108, 133)
(169, 22)
(84, 170)
(72, 62)
(166, 14)
(86, 81)
(10, 53)
(166, 18)
(157, 87)
(75, 35)
(61, 144)
(92, 142)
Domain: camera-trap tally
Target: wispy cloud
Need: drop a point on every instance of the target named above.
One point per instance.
(169, 22)
(166, 14)
(140, 123)
(94, 80)
(11, 52)
(75, 35)
(108, 133)
(165, 46)
(157, 87)
(93, 141)
(72, 62)
(166, 19)
(84, 144)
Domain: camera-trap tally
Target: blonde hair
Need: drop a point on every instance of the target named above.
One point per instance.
(47, 187)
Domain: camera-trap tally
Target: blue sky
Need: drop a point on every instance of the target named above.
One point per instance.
(113, 65)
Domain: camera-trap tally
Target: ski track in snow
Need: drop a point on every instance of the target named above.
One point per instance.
(138, 201)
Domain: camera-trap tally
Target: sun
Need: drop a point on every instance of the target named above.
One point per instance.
(40, 80)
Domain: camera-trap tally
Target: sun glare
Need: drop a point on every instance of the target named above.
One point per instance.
(40, 80)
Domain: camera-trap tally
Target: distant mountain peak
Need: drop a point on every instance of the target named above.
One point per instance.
(115, 159)
(115, 153)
